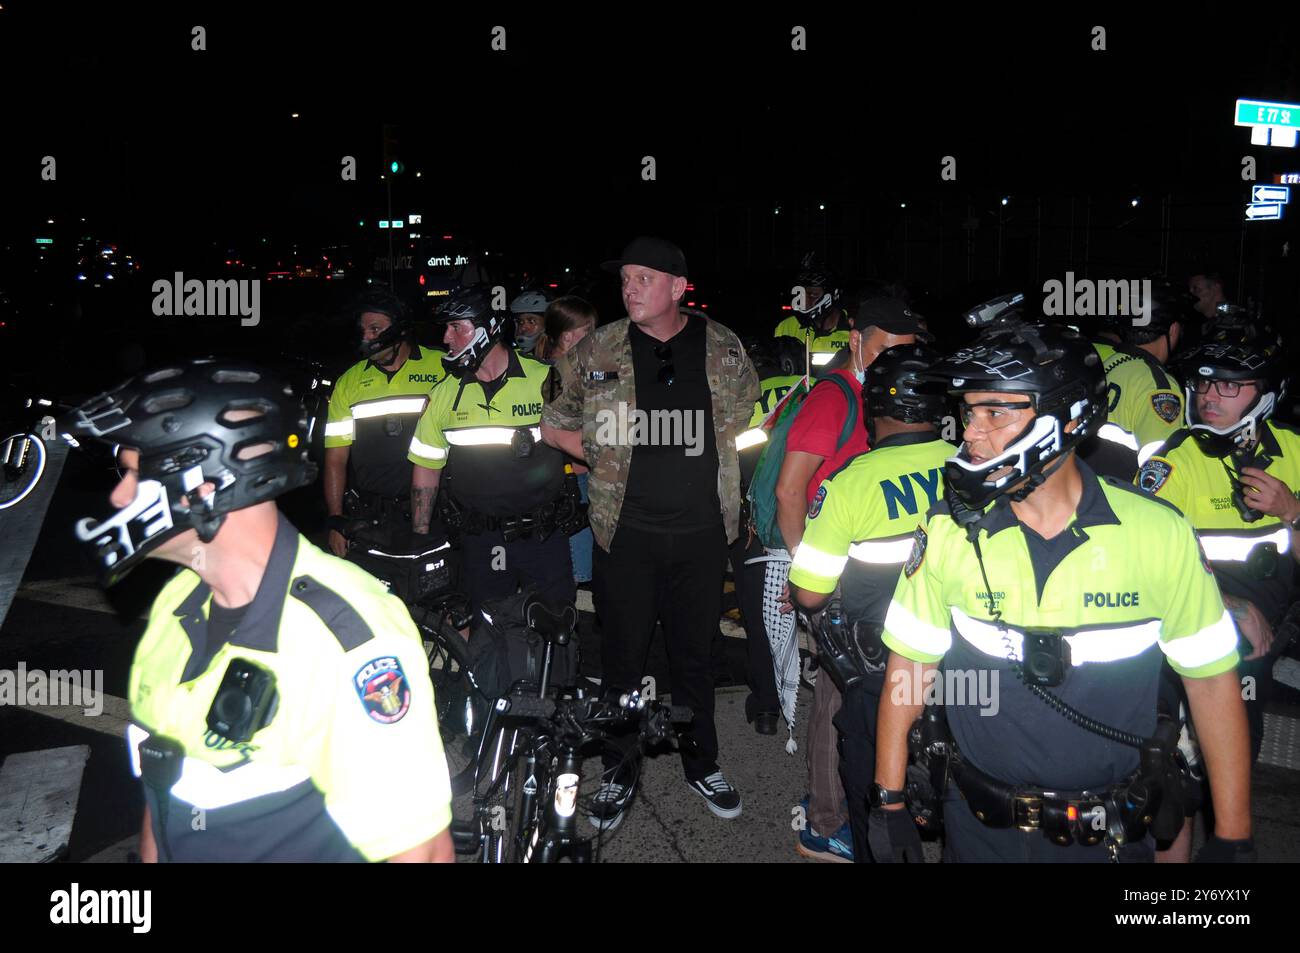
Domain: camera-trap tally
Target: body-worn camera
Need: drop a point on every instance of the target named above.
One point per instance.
(245, 702)
(1046, 657)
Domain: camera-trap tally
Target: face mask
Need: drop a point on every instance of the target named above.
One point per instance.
(525, 342)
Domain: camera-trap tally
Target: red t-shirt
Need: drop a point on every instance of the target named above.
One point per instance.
(817, 425)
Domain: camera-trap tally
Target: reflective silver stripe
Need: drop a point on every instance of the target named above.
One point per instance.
(1237, 549)
(1209, 645)
(339, 428)
(208, 787)
(922, 636)
(818, 563)
(882, 552)
(822, 357)
(751, 438)
(486, 436)
(1117, 434)
(421, 449)
(1092, 645)
(1148, 451)
(389, 405)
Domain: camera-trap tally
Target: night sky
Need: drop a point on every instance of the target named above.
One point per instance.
(538, 150)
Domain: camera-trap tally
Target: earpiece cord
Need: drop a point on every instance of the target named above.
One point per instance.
(1060, 706)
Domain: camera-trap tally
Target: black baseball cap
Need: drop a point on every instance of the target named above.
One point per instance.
(651, 253)
(889, 314)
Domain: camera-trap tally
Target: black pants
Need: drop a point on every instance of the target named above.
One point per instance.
(676, 579)
(856, 723)
(491, 568)
(759, 673)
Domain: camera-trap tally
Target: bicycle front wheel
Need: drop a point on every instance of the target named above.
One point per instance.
(23, 458)
(460, 709)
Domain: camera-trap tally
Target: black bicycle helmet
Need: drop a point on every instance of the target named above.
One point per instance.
(1261, 360)
(233, 424)
(1056, 368)
(473, 303)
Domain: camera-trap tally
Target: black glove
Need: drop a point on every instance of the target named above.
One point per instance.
(893, 837)
(1220, 851)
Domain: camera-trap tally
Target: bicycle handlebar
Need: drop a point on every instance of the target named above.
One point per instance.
(589, 715)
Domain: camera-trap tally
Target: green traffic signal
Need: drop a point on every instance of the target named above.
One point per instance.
(396, 166)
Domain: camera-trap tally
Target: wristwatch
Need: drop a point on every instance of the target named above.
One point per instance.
(881, 795)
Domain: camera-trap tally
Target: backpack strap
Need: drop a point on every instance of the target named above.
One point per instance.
(851, 418)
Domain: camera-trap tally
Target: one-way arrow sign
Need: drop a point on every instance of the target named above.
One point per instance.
(1256, 213)
(1270, 193)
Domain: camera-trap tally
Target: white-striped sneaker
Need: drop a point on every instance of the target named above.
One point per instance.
(718, 793)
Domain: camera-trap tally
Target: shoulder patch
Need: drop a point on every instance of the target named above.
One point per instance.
(818, 499)
(919, 542)
(381, 686)
(1167, 405)
(1153, 475)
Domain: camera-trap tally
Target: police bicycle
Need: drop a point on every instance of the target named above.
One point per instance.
(23, 452)
(423, 577)
(529, 773)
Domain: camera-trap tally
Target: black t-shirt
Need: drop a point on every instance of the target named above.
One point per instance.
(672, 484)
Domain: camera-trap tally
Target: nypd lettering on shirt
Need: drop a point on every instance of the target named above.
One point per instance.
(382, 687)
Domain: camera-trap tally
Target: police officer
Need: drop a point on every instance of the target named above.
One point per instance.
(1233, 473)
(1144, 402)
(1049, 595)
(505, 489)
(372, 417)
(857, 536)
(529, 313)
(820, 326)
(281, 707)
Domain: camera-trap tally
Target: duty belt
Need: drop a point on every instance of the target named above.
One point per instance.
(1119, 814)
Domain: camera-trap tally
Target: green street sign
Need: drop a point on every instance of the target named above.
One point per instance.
(1253, 112)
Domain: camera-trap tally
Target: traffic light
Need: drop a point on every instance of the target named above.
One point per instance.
(396, 166)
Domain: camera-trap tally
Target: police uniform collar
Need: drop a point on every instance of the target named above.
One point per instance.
(1268, 440)
(514, 367)
(906, 439)
(260, 627)
(1093, 508)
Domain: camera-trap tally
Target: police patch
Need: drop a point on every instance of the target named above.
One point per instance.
(919, 542)
(381, 686)
(1167, 405)
(818, 499)
(1153, 475)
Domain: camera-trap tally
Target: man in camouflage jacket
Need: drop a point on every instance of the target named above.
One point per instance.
(662, 516)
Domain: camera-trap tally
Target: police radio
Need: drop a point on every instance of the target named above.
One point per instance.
(245, 703)
(1241, 459)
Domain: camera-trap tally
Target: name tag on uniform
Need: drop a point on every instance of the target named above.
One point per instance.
(602, 375)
